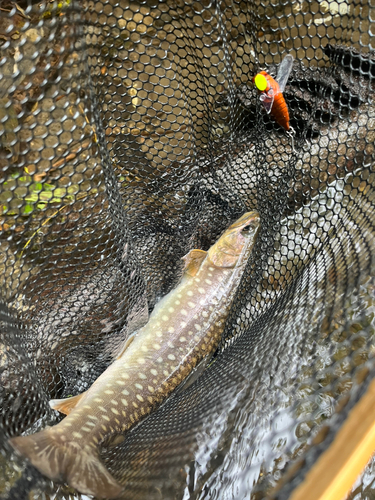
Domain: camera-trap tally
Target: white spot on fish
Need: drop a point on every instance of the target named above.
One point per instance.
(179, 295)
(170, 345)
(144, 348)
(153, 371)
(104, 427)
(198, 327)
(202, 302)
(209, 282)
(156, 346)
(139, 397)
(120, 382)
(190, 333)
(165, 318)
(171, 329)
(171, 357)
(77, 435)
(101, 408)
(90, 423)
(114, 402)
(190, 293)
(201, 290)
(108, 391)
(116, 412)
(125, 392)
(196, 338)
(182, 324)
(142, 376)
(139, 386)
(182, 339)
(165, 373)
(210, 268)
(191, 304)
(124, 402)
(197, 280)
(159, 334)
(150, 388)
(225, 272)
(94, 417)
(159, 360)
(98, 400)
(170, 309)
(209, 274)
(177, 302)
(141, 361)
(125, 375)
(183, 312)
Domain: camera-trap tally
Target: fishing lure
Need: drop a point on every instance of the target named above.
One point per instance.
(272, 92)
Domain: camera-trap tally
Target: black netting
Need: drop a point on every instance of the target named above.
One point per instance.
(130, 133)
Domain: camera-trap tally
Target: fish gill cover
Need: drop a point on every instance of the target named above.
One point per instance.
(131, 133)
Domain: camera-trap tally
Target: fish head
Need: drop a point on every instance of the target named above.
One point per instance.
(236, 243)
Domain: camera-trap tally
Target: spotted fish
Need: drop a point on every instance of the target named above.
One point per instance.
(184, 328)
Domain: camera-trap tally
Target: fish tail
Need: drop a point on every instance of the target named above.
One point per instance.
(75, 464)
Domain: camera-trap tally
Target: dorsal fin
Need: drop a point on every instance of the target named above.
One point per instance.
(193, 261)
(66, 405)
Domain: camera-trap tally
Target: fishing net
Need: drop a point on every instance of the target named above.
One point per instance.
(130, 133)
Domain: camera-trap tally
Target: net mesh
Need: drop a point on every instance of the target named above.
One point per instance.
(130, 133)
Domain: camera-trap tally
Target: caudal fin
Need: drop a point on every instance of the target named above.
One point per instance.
(79, 466)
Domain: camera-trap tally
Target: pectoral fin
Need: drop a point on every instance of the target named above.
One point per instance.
(137, 318)
(126, 345)
(193, 261)
(66, 405)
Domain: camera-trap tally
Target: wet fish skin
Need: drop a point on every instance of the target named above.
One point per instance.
(185, 327)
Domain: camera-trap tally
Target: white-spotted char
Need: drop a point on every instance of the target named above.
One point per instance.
(185, 327)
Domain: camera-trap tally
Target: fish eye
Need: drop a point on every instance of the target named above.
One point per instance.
(246, 230)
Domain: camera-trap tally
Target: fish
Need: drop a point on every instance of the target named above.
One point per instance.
(184, 328)
(272, 92)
